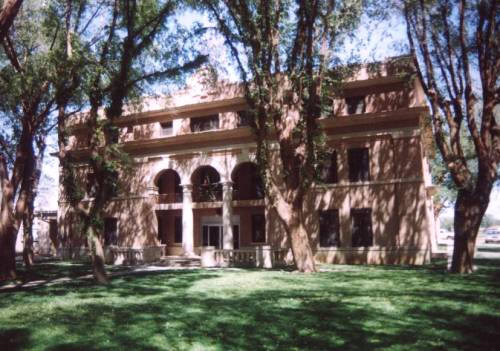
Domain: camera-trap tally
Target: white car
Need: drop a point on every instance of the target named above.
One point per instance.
(492, 236)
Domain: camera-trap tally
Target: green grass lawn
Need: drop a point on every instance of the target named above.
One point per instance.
(343, 307)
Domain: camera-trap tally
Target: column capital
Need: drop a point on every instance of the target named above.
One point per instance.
(187, 188)
(227, 185)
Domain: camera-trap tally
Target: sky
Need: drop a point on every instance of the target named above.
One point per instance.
(374, 42)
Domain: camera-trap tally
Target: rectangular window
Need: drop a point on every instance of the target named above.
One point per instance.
(359, 164)
(110, 231)
(178, 230)
(167, 128)
(355, 105)
(130, 129)
(243, 118)
(328, 170)
(329, 228)
(258, 228)
(362, 234)
(201, 124)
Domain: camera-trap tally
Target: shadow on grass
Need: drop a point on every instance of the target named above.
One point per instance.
(349, 307)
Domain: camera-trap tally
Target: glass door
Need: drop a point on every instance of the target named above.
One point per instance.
(212, 236)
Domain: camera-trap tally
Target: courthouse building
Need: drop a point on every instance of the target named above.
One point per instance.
(195, 187)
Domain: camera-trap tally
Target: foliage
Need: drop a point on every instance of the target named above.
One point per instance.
(285, 53)
(454, 45)
(343, 307)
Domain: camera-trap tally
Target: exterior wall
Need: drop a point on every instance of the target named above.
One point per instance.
(397, 192)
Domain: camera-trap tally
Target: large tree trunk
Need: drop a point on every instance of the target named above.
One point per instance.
(469, 211)
(28, 252)
(8, 253)
(302, 251)
(97, 254)
(293, 220)
(8, 12)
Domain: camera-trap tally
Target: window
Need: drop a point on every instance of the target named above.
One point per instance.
(355, 105)
(178, 230)
(167, 128)
(258, 228)
(161, 233)
(362, 234)
(243, 118)
(110, 231)
(200, 124)
(328, 170)
(359, 164)
(91, 184)
(329, 228)
(130, 129)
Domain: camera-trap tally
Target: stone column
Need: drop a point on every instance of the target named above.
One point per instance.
(227, 215)
(187, 220)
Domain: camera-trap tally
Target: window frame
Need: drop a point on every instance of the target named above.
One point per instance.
(336, 223)
(332, 177)
(355, 104)
(359, 164)
(367, 238)
(204, 123)
(255, 223)
(167, 128)
(113, 240)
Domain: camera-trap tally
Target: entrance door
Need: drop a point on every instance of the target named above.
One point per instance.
(212, 236)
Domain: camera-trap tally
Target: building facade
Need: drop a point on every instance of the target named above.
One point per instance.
(194, 187)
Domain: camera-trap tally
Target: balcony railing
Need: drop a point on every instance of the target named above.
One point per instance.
(169, 198)
(207, 192)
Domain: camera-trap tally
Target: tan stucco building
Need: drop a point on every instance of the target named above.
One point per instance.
(194, 187)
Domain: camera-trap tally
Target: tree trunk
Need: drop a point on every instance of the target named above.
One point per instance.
(301, 249)
(8, 12)
(28, 253)
(97, 254)
(8, 253)
(469, 211)
(293, 221)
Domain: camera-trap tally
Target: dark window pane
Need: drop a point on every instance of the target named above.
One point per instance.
(329, 228)
(200, 124)
(161, 233)
(236, 237)
(243, 118)
(205, 235)
(362, 234)
(355, 105)
(258, 228)
(328, 170)
(166, 128)
(178, 230)
(110, 231)
(359, 164)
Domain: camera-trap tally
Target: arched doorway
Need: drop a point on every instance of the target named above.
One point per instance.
(247, 182)
(169, 187)
(206, 185)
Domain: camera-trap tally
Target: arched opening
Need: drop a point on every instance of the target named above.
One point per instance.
(206, 185)
(247, 182)
(169, 187)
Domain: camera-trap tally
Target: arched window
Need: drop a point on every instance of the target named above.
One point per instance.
(206, 185)
(169, 187)
(247, 182)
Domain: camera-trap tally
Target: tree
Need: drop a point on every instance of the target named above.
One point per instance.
(9, 11)
(134, 32)
(284, 51)
(27, 102)
(455, 48)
